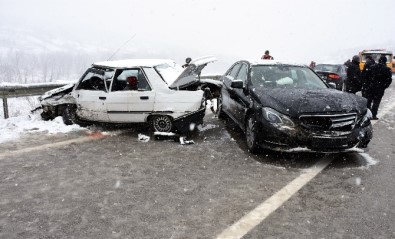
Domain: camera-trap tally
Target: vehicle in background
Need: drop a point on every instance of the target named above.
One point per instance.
(393, 65)
(375, 54)
(335, 73)
(287, 107)
(156, 91)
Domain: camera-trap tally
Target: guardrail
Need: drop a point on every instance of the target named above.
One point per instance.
(20, 90)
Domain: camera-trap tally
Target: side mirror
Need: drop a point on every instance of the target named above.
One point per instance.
(332, 85)
(238, 84)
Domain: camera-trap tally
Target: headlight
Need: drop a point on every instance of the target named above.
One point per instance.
(277, 118)
(365, 120)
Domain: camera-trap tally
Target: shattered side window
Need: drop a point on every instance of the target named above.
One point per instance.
(96, 79)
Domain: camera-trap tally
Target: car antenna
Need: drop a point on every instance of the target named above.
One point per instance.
(121, 47)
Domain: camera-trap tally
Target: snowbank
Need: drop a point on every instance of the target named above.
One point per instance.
(12, 128)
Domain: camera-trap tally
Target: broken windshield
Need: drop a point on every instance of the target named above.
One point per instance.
(96, 79)
(169, 71)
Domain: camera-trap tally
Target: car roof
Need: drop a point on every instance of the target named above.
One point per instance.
(329, 64)
(273, 62)
(133, 63)
(376, 52)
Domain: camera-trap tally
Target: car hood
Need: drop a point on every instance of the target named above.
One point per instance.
(64, 89)
(294, 102)
(190, 76)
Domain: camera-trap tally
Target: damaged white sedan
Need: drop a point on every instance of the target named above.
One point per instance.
(155, 91)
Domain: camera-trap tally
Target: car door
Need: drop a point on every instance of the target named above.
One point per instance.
(239, 97)
(131, 98)
(89, 95)
(228, 103)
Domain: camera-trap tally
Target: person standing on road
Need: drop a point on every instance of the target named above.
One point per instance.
(353, 82)
(267, 56)
(366, 74)
(381, 79)
(312, 65)
(347, 63)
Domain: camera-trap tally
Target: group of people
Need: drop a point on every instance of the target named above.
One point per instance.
(371, 81)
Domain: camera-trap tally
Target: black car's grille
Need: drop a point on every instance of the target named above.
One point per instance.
(336, 122)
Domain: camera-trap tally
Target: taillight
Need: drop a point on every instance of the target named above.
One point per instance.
(334, 76)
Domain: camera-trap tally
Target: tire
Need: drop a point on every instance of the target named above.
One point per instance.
(251, 134)
(162, 123)
(220, 112)
(46, 116)
(69, 116)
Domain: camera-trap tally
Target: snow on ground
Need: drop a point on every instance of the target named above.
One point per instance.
(369, 160)
(13, 128)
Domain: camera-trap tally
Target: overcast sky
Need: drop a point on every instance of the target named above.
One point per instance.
(301, 30)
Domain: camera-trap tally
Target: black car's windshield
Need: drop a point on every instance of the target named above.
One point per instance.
(285, 76)
(328, 68)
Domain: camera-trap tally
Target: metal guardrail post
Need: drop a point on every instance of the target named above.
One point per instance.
(5, 107)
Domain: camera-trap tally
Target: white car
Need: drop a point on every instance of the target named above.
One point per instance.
(156, 91)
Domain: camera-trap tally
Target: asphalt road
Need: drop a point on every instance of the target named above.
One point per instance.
(87, 186)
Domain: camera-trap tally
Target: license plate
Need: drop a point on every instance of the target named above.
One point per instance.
(319, 142)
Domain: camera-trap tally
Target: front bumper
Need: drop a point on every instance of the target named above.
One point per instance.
(287, 139)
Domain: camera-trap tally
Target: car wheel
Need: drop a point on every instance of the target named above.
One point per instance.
(68, 115)
(220, 112)
(162, 123)
(46, 116)
(251, 134)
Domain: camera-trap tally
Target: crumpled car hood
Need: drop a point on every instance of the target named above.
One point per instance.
(294, 102)
(63, 89)
(190, 75)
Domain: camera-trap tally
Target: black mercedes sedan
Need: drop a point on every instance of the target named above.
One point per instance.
(287, 107)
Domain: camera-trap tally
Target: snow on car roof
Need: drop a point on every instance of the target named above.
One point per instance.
(273, 62)
(133, 63)
(376, 52)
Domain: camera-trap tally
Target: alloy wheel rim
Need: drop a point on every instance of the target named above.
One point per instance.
(162, 124)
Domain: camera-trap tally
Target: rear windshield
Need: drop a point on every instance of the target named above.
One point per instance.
(328, 68)
(376, 57)
(284, 76)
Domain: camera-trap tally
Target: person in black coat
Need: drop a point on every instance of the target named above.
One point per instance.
(381, 79)
(353, 82)
(366, 73)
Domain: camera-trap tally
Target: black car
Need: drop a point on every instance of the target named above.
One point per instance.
(288, 107)
(335, 73)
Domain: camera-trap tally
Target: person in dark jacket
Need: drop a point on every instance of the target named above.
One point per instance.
(381, 79)
(347, 63)
(187, 61)
(366, 73)
(353, 82)
(267, 56)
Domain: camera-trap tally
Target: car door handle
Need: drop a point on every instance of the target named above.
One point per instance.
(144, 97)
(102, 98)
